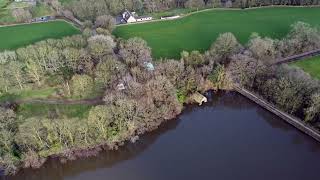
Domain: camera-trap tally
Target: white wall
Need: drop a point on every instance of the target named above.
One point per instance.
(144, 19)
(131, 20)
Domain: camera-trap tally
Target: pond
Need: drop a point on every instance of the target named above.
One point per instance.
(228, 138)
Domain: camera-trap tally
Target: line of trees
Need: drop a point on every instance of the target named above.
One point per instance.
(288, 87)
(89, 10)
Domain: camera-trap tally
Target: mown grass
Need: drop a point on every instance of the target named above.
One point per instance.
(199, 31)
(48, 110)
(311, 66)
(27, 94)
(13, 37)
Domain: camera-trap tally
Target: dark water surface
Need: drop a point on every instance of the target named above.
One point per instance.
(230, 138)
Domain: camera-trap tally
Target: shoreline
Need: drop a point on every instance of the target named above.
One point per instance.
(87, 152)
(290, 119)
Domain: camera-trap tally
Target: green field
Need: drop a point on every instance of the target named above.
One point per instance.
(311, 66)
(46, 110)
(13, 37)
(198, 31)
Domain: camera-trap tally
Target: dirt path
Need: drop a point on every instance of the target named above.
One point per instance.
(298, 57)
(294, 121)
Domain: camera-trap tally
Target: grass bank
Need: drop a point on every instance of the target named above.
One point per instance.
(13, 37)
(199, 30)
(311, 66)
(27, 94)
(80, 111)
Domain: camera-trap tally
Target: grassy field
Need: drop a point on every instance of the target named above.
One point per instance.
(198, 31)
(311, 66)
(13, 37)
(28, 94)
(45, 110)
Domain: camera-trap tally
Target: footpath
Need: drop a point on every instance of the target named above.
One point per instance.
(294, 121)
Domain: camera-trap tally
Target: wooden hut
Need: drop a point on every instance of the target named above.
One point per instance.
(199, 98)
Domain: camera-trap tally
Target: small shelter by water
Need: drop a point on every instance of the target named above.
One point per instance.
(199, 98)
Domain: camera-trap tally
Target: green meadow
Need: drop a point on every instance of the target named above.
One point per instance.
(13, 37)
(311, 66)
(199, 30)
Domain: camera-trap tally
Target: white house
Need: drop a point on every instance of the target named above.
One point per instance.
(130, 17)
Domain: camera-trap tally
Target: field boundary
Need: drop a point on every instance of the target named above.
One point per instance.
(30, 23)
(219, 9)
(298, 57)
(294, 121)
(92, 101)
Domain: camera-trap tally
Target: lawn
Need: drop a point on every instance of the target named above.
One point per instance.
(311, 66)
(28, 94)
(49, 110)
(13, 37)
(198, 31)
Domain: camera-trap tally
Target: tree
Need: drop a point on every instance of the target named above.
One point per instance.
(137, 5)
(8, 120)
(7, 56)
(135, 51)
(21, 15)
(301, 38)
(100, 118)
(108, 71)
(262, 48)
(72, 56)
(82, 86)
(217, 76)
(313, 111)
(195, 4)
(106, 22)
(15, 70)
(172, 70)
(243, 69)
(100, 45)
(194, 59)
(225, 46)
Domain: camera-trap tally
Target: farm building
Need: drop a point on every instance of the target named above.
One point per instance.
(131, 17)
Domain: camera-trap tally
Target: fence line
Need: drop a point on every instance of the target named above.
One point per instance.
(294, 121)
(298, 57)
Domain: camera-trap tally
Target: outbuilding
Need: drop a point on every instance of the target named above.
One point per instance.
(131, 17)
(199, 98)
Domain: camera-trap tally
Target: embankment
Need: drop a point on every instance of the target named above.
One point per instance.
(294, 121)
